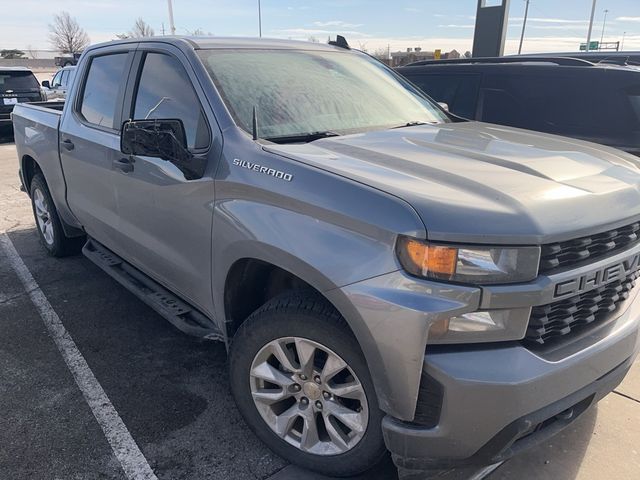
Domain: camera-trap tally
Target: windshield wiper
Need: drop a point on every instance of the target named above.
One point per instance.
(302, 137)
(410, 124)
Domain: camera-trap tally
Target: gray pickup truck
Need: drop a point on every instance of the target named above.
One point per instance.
(386, 276)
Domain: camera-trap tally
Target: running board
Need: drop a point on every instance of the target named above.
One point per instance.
(182, 315)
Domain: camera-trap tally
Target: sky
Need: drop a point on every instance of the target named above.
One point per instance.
(553, 25)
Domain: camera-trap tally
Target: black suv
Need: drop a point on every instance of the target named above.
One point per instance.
(560, 95)
(17, 84)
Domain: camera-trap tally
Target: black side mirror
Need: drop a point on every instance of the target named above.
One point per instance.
(46, 84)
(161, 138)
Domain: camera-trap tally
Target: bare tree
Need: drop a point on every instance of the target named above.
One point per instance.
(33, 53)
(381, 53)
(312, 39)
(66, 35)
(198, 32)
(142, 29)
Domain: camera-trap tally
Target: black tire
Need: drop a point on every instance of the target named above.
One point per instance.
(58, 244)
(309, 316)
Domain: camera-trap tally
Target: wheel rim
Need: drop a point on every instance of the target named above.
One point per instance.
(43, 216)
(309, 396)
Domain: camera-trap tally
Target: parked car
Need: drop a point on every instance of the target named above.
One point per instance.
(57, 88)
(67, 60)
(17, 85)
(564, 96)
(384, 274)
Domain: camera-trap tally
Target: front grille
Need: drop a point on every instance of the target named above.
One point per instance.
(557, 319)
(571, 252)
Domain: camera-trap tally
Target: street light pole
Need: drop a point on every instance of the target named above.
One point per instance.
(172, 27)
(604, 23)
(524, 24)
(259, 19)
(593, 12)
(624, 34)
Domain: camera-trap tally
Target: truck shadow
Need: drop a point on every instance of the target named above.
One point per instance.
(560, 458)
(173, 394)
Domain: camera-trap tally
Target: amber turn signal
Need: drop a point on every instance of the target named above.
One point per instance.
(420, 258)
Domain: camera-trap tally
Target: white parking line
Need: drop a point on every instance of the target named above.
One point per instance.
(124, 447)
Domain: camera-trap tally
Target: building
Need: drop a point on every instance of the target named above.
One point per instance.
(411, 55)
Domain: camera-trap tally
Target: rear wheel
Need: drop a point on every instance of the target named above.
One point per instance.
(301, 382)
(48, 222)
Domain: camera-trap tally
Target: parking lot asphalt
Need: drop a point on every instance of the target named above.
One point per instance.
(171, 391)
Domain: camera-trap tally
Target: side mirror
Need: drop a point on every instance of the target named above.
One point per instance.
(46, 84)
(444, 106)
(161, 138)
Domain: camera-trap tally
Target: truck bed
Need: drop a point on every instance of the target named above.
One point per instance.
(36, 134)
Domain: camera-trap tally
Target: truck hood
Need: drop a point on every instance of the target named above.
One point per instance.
(479, 183)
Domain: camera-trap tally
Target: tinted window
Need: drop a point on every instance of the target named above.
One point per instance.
(584, 104)
(501, 107)
(18, 80)
(460, 92)
(165, 91)
(106, 74)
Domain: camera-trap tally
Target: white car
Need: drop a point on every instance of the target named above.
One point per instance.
(60, 83)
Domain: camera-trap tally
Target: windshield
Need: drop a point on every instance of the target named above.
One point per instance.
(298, 92)
(18, 81)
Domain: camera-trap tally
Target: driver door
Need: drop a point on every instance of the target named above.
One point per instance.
(165, 220)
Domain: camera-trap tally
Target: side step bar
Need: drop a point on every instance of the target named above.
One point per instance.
(182, 315)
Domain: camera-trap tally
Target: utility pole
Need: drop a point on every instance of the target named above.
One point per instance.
(604, 23)
(172, 27)
(259, 19)
(624, 34)
(163, 29)
(524, 25)
(593, 12)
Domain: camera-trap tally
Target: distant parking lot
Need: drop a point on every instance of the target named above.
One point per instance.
(171, 391)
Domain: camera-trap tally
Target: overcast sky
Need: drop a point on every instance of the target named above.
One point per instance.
(554, 25)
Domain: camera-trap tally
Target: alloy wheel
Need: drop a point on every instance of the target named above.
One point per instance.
(309, 396)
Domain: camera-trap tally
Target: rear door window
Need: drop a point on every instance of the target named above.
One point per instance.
(459, 92)
(100, 92)
(165, 91)
(65, 76)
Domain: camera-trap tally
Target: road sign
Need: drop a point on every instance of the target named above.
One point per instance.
(592, 46)
(437, 54)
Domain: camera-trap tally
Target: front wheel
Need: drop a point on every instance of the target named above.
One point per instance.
(303, 386)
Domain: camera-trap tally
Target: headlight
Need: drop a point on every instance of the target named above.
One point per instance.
(468, 264)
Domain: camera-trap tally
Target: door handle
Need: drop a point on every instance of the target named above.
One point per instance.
(123, 164)
(68, 144)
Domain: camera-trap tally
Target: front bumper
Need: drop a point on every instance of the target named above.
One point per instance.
(499, 400)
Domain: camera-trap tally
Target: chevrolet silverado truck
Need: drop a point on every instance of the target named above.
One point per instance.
(386, 276)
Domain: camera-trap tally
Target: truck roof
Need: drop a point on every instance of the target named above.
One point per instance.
(228, 42)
